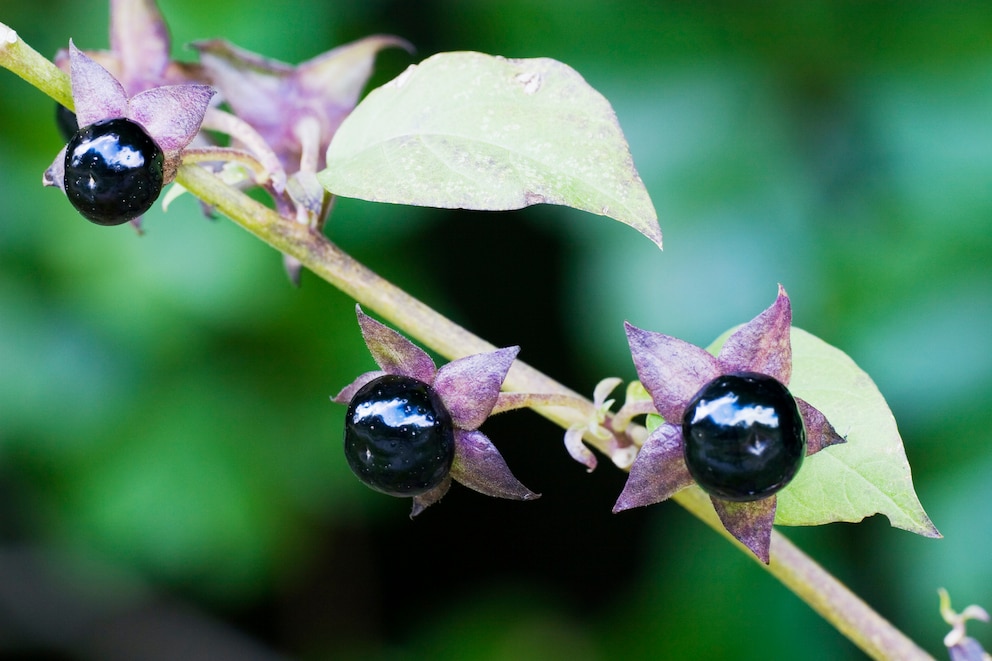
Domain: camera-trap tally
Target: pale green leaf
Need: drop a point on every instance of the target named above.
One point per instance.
(473, 131)
(867, 475)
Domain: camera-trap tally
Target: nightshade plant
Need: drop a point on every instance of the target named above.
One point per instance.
(506, 134)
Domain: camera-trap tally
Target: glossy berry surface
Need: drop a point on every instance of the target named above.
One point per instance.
(113, 171)
(744, 437)
(398, 437)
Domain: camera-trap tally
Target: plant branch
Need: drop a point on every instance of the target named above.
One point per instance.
(511, 401)
(824, 593)
(17, 56)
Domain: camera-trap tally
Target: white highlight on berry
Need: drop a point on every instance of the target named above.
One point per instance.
(725, 412)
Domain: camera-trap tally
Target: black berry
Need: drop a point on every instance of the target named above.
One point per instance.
(66, 122)
(744, 437)
(113, 171)
(398, 437)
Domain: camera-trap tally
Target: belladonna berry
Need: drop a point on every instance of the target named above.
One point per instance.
(113, 171)
(65, 121)
(399, 438)
(744, 437)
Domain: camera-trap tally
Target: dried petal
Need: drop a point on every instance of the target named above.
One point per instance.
(762, 345)
(256, 87)
(577, 449)
(658, 473)
(273, 96)
(819, 432)
(95, 92)
(750, 523)
(671, 369)
(479, 466)
(603, 390)
(469, 386)
(308, 194)
(394, 353)
(338, 76)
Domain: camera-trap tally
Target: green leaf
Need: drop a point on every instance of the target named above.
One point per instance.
(473, 131)
(867, 475)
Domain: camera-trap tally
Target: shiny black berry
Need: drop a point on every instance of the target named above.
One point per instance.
(398, 437)
(113, 171)
(744, 437)
(66, 122)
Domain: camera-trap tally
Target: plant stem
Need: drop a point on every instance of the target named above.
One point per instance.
(17, 56)
(511, 401)
(824, 593)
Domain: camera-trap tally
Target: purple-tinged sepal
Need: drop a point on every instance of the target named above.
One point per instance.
(425, 500)
(750, 523)
(139, 55)
(763, 344)
(275, 97)
(670, 369)
(393, 353)
(819, 432)
(658, 472)
(486, 371)
(479, 466)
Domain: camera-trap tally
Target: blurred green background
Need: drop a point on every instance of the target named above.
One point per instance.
(171, 481)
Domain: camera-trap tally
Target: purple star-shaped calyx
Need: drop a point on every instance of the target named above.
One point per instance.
(282, 101)
(673, 372)
(171, 115)
(139, 54)
(468, 387)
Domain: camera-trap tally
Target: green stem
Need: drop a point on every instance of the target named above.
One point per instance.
(29, 64)
(824, 593)
(227, 155)
(511, 401)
